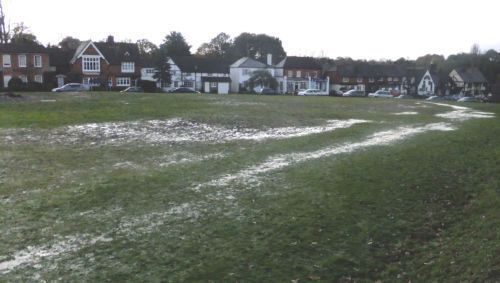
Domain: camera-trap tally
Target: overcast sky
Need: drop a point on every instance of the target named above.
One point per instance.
(377, 29)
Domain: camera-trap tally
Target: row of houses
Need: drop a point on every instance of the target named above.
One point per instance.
(119, 65)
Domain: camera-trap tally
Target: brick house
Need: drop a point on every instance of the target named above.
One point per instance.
(368, 77)
(294, 73)
(111, 64)
(27, 61)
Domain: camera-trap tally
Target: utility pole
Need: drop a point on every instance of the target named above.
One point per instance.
(4, 36)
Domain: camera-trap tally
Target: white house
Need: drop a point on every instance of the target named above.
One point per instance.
(427, 84)
(199, 73)
(470, 81)
(241, 70)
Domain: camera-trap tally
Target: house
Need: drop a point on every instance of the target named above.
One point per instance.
(427, 83)
(469, 81)
(294, 73)
(28, 61)
(242, 70)
(111, 64)
(60, 64)
(200, 73)
(368, 77)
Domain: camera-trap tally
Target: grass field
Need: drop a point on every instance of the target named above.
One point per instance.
(160, 187)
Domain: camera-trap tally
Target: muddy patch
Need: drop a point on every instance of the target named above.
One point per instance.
(461, 113)
(160, 132)
(251, 174)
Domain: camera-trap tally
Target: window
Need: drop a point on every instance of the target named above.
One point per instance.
(187, 84)
(150, 71)
(91, 64)
(389, 79)
(303, 85)
(359, 80)
(247, 72)
(6, 61)
(381, 79)
(128, 67)
(313, 74)
(345, 79)
(122, 81)
(396, 79)
(299, 74)
(6, 80)
(37, 61)
(371, 80)
(213, 84)
(24, 78)
(290, 74)
(39, 78)
(22, 61)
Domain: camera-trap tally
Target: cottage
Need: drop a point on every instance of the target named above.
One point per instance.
(469, 81)
(27, 61)
(200, 73)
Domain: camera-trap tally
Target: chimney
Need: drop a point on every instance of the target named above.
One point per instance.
(269, 59)
(111, 39)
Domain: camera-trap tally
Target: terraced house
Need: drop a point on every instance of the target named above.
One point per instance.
(26, 61)
(110, 63)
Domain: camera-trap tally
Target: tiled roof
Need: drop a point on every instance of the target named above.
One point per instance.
(118, 52)
(27, 47)
(192, 64)
(247, 62)
(293, 62)
(370, 70)
(471, 75)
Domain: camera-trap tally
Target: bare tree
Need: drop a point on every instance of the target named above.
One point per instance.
(475, 49)
(4, 34)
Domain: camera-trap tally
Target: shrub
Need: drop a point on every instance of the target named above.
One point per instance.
(16, 84)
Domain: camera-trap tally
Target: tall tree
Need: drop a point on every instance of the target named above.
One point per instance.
(175, 45)
(263, 79)
(22, 34)
(146, 47)
(69, 43)
(162, 67)
(220, 46)
(258, 46)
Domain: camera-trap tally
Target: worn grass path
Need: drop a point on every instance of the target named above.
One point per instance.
(104, 186)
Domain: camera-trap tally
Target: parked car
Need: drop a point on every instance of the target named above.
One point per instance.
(71, 87)
(183, 90)
(335, 92)
(133, 89)
(312, 92)
(354, 93)
(266, 90)
(469, 99)
(381, 93)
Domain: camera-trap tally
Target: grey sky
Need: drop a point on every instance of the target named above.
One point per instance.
(359, 29)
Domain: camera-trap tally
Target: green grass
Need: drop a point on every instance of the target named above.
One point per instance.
(422, 209)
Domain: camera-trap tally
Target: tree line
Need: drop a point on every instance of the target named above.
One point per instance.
(257, 46)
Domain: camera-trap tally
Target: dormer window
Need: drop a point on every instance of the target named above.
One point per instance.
(91, 64)
(128, 67)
